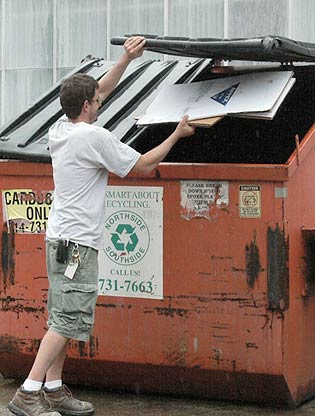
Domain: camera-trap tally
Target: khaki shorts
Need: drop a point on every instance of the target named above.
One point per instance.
(71, 302)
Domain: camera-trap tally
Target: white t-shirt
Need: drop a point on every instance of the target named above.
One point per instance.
(82, 155)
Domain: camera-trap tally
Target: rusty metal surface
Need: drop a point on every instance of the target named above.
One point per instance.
(214, 334)
(8, 256)
(278, 272)
(309, 258)
(253, 266)
(174, 380)
(123, 404)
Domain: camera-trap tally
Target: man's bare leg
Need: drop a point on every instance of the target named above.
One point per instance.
(51, 353)
(55, 370)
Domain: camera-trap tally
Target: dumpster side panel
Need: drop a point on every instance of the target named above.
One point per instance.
(299, 324)
(215, 311)
(213, 328)
(23, 282)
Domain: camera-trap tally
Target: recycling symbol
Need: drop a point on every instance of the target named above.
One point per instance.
(125, 238)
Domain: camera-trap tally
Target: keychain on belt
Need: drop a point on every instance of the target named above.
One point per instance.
(73, 263)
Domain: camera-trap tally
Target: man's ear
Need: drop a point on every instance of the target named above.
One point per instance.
(85, 106)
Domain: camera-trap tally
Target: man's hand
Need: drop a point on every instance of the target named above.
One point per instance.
(183, 129)
(134, 47)
(147, 162)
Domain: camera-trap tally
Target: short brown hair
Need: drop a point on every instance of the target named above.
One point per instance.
(74, 91)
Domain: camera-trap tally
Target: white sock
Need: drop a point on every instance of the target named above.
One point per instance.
(53, 384)
(32, 385)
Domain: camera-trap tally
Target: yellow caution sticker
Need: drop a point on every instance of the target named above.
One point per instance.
(250, 201)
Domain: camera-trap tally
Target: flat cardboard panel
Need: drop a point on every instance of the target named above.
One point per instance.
(255, 92)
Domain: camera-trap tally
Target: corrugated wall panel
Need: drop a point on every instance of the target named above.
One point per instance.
(28, 34)
(196, 18)
(1, 62)
(61, 72)
(136, 16)
(248, 18)
(81, 31)
(302, 20)
(1, 30)
(85, 26)
(27, 46)
(23, 86)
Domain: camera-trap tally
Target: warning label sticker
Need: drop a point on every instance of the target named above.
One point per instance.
(250, 201)
(203, 198)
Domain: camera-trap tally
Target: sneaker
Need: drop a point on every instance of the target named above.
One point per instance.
(30, 403)
(61, 400)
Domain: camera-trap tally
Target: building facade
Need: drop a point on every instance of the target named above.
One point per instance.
(42, 40)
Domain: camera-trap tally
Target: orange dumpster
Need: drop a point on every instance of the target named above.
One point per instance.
(207, 278)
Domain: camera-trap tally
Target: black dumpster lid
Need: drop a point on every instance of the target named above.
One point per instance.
(26, 136)
(269, 48)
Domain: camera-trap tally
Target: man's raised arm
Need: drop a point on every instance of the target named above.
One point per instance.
(134, 47)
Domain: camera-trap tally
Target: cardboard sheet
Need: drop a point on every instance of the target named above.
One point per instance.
(269, 115)
(251, 93)
(205, 122)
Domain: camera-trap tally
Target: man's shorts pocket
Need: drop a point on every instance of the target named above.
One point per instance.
(78, 297)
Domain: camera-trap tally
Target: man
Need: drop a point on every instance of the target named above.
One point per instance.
(82, 155)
